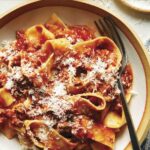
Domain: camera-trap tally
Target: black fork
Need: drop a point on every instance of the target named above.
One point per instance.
(107, 27)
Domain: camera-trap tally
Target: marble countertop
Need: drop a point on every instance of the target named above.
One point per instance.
(139, 22)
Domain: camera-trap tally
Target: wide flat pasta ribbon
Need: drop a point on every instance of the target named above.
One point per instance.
(113, 120)
(6, 99)
(38, 34)
(96, 100)
(100, 43)
(98, 132)
(88, 103)
(60, 46)
(103, 135)
(42, 136)
(55, 20)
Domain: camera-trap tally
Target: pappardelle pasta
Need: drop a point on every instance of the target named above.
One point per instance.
(58, 88)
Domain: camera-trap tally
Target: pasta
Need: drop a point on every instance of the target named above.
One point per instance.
(58, 88)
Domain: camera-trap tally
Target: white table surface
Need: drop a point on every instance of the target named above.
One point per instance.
(138, 21)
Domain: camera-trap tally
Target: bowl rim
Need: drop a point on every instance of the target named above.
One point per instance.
(134, 7)
(124, 27)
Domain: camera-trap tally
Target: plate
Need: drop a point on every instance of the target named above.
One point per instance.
(77, 12)
(139, 5)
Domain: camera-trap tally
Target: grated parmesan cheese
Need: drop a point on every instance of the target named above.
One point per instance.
(57, 105)
(72, 73)
(110, 76)
(2, 54)
(69, 61)
(98, 67)
(70, 39)
(6, 44)
(42, 134)
(35, 112)
(9, 52)
(27, 68)
(3, 69)
(50, 122)
(59, 89)
(9, 84)
(90, 124)
(13, 76)
(31, 92)
(117, 90)
(72, 70)
(17, 73)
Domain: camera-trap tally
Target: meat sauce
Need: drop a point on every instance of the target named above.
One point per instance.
(21, 43)
(105, 52)
(127, 77)
(81, 32)
(74, 34)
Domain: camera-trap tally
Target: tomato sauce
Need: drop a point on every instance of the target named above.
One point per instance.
(82, 32)
(21, 43)
(127, 77)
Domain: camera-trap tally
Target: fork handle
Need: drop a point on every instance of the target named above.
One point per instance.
(133, 137)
